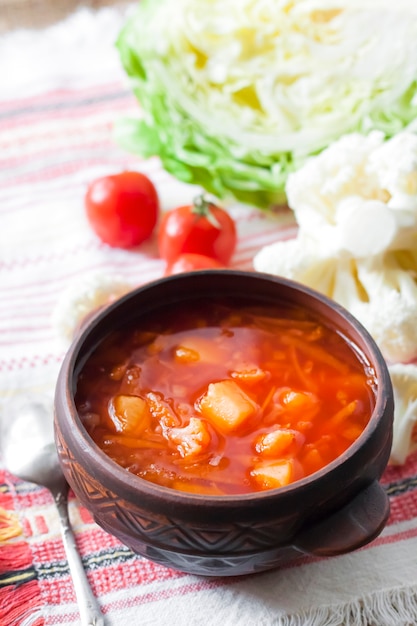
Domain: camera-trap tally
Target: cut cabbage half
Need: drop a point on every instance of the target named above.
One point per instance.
(236, 95)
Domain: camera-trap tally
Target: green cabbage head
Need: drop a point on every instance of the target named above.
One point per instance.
(236, 94)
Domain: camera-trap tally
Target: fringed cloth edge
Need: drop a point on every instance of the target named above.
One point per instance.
(391, 608)
(21, 604)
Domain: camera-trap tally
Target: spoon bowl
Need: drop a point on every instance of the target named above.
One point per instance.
(27, 442)
(28, 451)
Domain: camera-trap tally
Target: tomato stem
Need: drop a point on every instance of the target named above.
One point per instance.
(202, 207)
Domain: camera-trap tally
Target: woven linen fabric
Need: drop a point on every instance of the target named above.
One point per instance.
(63, 91)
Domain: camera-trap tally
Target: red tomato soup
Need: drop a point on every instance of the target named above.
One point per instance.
(225, 397)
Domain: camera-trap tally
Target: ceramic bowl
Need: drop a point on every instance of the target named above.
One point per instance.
(333, 511)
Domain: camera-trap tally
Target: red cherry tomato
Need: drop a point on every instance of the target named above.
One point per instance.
(190, 262)
(200, 228)
(122, 209)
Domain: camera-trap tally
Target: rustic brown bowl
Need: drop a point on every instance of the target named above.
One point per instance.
(333, 511)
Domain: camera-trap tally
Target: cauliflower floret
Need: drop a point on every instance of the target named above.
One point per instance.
(391, 320)
(382, 295)
(339, 172)
(379, 292)
(191, 440)
(298, 259)
(84, 297)
(391, 311)
(395, 165)
(359, 195)
(364, 227)
(404, 382)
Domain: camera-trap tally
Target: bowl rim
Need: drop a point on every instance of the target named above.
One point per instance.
(126, 480)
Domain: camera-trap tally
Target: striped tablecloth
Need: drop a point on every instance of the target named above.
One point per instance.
(63, 91)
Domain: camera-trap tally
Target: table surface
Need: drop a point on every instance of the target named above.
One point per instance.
(64, 91)
(39, 14)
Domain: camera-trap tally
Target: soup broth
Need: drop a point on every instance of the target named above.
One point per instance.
(225, 397)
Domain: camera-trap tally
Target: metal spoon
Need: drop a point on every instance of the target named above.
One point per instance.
(28, 451)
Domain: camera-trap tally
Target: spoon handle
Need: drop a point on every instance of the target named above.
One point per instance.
(90, 612)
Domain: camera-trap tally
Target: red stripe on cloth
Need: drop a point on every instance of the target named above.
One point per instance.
(52, 172)
(28, 495)
(383, 540)
(41, 525)
(170, 592)
(6, 498)
(40, 305)
(139, 572)
(93, 540)
(33, 362)
(24, 203)
(85, 515)
(55, 153)
(82, 107)
(125, 262)
(59, 95)
(21, 313)
(245, 255)
(403, 507)
(92, 245)
(27, 528)
(122, 102)
(25, 329)
(272, 233)
(47, 550)
(22, 340)
(399, 472)
(60, 590)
